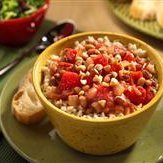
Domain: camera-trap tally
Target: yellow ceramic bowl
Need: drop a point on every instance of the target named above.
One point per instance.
(93, 136)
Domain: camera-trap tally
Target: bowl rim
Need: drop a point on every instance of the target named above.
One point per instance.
(37, 12)
(100, 120)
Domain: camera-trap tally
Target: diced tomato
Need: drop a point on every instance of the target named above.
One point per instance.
(69, 80)
(100, 59)
(104, 93)
(69, 55)
(116, 67)
(134, 97)
(136, 75)
(129, 57)
(150, 94)
(65, 65)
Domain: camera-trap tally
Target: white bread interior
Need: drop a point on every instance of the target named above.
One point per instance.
(26, 105)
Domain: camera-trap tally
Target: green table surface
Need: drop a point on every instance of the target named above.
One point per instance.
(7, 54)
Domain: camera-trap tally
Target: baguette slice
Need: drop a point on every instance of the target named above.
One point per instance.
(143, 9)
(26, 106)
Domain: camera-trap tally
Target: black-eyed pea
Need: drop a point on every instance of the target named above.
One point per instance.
(132, 66)
(91, 93)
(107, 78)
(85, 55)
(118, 90)
(90, 67)
(107, 68)
(89, 46)
(79, 60)
(93, 51)
(98, 78)
(98, 67)
(114, 82)
(118, 57)
(120, 100)
(96, 106)
(102, 103)
(147, 74)
(110, 49)
(114, 74)
(141, 81)
(105, 84)
(85, 88)
(83, 101)
(89, 111)
(150, 67)
(119, 109)
(100, 39)
(80, 67)
(125, 63)
(89, 61)
(127, 111)
(81, 93)
(73, 100)
(148, 82)
(87, 73)
(77, 89)
(91, 39)
(102, 49)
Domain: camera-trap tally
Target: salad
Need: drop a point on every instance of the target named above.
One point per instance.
(10, 9)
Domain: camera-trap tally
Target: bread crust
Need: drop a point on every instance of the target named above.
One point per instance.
(26, 106)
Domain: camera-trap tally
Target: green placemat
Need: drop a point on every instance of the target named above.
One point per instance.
(7, 54)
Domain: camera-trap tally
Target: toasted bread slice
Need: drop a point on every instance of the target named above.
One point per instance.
(25, 104)
(143, 9)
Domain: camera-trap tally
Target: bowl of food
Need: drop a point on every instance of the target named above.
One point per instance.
(20, 20)
(99, 89)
